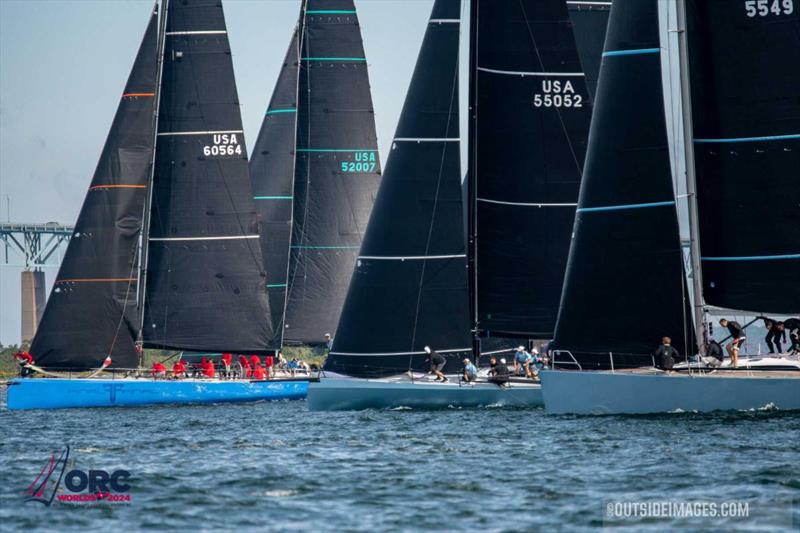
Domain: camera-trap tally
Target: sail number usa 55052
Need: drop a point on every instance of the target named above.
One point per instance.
(557, 93)
(224, 144)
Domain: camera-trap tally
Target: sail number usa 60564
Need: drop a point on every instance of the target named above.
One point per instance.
(224, 144)
(557, 93)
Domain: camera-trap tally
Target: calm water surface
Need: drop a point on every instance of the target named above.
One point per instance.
(277, 466)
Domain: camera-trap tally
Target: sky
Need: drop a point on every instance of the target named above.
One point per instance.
(64, 63)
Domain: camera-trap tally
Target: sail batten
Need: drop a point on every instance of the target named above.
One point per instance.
(91, 312)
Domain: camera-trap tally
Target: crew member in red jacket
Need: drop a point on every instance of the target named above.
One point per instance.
(269, 362)
(259, 372)
(208, 369)
(159, 370)
(179, 369)
(245, 366)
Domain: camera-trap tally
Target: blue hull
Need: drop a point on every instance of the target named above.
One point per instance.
(36, 393)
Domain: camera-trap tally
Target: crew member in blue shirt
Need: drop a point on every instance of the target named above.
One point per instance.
(470, 372)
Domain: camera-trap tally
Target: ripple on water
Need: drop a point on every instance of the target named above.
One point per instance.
(277, 466)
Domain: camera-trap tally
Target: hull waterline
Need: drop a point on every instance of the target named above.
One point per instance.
(334, 394)
(599, 393)
(36, 393)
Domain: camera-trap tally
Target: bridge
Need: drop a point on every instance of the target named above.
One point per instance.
(32, 247)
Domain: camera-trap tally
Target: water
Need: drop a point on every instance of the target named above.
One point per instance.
(276, 466)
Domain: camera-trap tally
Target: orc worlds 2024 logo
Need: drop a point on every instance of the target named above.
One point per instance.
(59, 481)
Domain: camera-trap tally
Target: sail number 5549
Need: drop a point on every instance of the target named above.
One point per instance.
(764, 8)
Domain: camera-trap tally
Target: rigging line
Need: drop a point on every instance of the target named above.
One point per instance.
(453, 96)
(557, 110)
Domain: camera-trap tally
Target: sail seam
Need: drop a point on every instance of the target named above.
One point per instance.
(219, 132)
(96, 280)
(410, 257)
(444, 21)
(198, 32)
(426, 139)
(632, 52)
(625, 206)
(221, 238)
(527, 204)
(110, 186)
(389, 354)
(749, 139)
(530, 73)
(753, 258)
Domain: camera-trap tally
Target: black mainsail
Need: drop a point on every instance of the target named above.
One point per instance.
(745, 76)
(625, 285)
(529, 121)
(409, 288)
(91, 312)
(205, 280)
(272, 173)
(337, 169)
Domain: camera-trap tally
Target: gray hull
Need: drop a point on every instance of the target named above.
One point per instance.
(333, 394)
(596, 393)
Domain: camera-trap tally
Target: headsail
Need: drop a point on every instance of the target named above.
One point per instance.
(409, 288)
(625, 287)
(92, 312)
(590, 20)
(745, 81)
(530, 113)
(205, 280)
(272, 173)
(337, 171)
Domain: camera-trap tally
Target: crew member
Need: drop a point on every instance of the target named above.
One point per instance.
(159, 370)
(259, 372)
(523, 360)
(792, 325)
(498, 371)
(737, 334)
(437, 363)
(246, 368)
(255, 361)
(226, 361)
(470, 373)
(269, 363)
(208, 369)
(179, 369)
(328, 341)
(666, 354)
(24, 358)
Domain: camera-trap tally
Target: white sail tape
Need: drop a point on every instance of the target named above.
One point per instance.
(451, 350)
(410, 257)
(201, 32)
(525, 73)
(578, 3)
(197, 132)
(526, 204)
(445, 21)
(427, 139)
(223, 238)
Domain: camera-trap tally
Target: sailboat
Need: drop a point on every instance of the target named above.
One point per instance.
(737, 113)
(315, 172)
(411, 286)
(165, 252)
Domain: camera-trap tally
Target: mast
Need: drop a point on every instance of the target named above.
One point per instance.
(472, 158)
(691, 180)
(144, 245)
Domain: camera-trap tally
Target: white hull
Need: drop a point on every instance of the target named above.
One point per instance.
(345, 394)
(623, 392)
